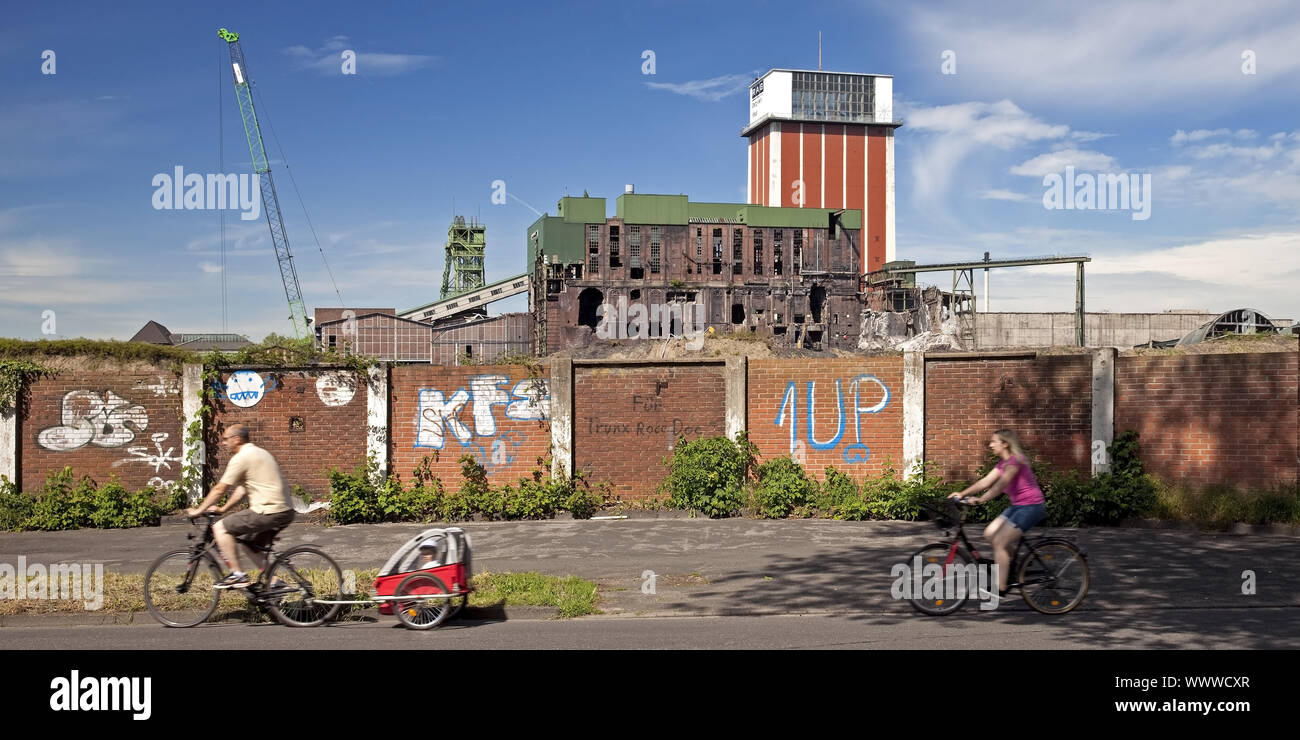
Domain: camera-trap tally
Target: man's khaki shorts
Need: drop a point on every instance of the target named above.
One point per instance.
(255, 527)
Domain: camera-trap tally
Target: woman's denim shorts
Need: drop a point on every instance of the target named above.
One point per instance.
(1025, 517)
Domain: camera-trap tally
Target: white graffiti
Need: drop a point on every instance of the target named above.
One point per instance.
(164, 387)
(336, 389)
(245, 388)
(159, 458)
(528, 399)
(106, 420)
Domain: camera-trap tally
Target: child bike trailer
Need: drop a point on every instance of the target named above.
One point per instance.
(427, 580)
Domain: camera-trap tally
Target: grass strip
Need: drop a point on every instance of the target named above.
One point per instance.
(123, 593)
(570, 595)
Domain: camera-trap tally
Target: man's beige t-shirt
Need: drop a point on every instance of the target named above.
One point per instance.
(255, 469)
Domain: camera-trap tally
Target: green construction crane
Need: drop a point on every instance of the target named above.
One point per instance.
(270, 201)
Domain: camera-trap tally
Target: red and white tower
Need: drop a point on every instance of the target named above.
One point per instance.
(826, 140)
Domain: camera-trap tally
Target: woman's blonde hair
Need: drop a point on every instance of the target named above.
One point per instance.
(1012, 440)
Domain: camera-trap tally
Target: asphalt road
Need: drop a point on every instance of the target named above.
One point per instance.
(1011, 628)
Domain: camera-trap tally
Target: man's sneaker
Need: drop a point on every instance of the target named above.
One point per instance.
(234, 580)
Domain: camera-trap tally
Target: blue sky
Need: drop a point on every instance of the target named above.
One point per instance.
(551, 98)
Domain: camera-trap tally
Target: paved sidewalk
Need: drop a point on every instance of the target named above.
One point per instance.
(753, 567)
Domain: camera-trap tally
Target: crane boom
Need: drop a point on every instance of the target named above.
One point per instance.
(270, 200)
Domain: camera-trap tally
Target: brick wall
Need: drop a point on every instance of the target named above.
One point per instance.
(858, 441)
(309, 420)
(1047, 401)
(103, 423)
(484, 411)
(1212, 419)
(626, 419)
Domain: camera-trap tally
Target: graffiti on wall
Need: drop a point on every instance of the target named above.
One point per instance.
(440, 415)
(89, 417)
(503, 450)
(244, 388)
(164, 387)
(158, 458)
(868, 395)
(336, 389)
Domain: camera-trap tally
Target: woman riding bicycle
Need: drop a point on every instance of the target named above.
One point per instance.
(1013, 475)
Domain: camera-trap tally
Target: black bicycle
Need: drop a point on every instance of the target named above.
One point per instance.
(301, 587)
(1050, 572)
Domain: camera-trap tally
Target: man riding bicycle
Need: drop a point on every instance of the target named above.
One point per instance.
(251, 471)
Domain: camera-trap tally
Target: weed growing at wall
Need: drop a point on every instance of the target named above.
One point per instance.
(840, 497)
(362, 496)
(18, 349)
(14, 377)
(67, 503)
(709, 474)
(781, 488)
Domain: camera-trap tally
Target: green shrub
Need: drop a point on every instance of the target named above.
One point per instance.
(707, 474)
(840, 498)
(62, 504)
(16, 507)
(1218, 507)
(782, 486)
(891, 497)
(583, 502)
(117, 508)
(354, 497)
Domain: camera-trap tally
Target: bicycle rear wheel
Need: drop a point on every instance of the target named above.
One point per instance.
(1054, 577)
(947, 594)
(303, 575)
(178, 588)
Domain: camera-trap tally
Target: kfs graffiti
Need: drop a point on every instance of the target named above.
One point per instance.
(869, 395)
(89, 417)
(440, 415)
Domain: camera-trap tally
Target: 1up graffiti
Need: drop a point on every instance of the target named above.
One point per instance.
(864, 389)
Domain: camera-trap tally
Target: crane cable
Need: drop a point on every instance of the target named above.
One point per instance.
(221, 168)
(266, 114)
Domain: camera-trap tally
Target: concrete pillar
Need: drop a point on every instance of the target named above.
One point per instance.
(1103, 406)
(377, 417)
(913, 412)
(9, 445)
(737, 395)
(192, 410)
(561, 416)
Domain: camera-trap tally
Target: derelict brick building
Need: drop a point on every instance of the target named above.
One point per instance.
(779, 272)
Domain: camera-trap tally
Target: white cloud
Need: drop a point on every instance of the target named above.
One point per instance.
(711, 90)
(1260, 263)
(1181, 137)
(949, 134)
(995, 194)
(1113, 54)
(1057, 161)
(209, 268)
(1088, 135)
(327, 59)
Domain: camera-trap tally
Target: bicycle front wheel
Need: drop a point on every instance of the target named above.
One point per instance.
(178, 588)
(944, 584)
(1054, 577)
(296, 584)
